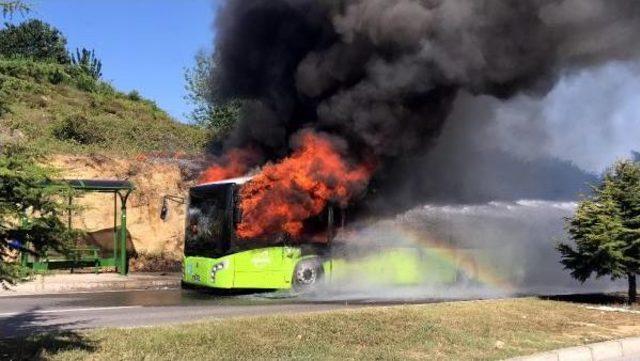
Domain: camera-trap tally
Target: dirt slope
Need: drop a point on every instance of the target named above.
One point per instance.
(153, 179)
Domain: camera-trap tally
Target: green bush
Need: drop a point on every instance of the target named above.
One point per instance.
(134, 96)
(78, 129)
(4, 104)
(106, 89)
(56, 77)
(86, 83)
(29, 71)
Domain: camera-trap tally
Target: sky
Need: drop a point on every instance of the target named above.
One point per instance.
(143, 44)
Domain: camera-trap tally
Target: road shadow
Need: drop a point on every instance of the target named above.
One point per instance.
(591, 298)
(32, 335)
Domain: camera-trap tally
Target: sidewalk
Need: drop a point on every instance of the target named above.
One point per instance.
(86, 282)
(626, 349)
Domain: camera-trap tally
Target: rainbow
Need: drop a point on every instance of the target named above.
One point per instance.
(472, 262)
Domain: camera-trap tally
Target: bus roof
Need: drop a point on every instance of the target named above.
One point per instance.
(238, 181)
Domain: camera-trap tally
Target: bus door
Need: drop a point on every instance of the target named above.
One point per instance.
(260, 268)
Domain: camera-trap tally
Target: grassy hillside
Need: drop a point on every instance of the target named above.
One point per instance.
(59, 109)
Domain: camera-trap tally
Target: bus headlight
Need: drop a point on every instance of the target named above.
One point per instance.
(217, 267)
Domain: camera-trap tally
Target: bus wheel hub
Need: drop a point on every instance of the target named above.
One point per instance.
(306, 276)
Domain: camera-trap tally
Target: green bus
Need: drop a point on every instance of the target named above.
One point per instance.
(215, 257)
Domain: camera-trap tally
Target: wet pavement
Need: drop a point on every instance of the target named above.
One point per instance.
(22, 315)
(25, 314)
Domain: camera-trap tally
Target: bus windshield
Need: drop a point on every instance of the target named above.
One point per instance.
(212, 216)
(209, 228)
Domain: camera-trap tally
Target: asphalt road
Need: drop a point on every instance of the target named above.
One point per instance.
(23, 315)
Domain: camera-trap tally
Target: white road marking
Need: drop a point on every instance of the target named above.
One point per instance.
(67, 310)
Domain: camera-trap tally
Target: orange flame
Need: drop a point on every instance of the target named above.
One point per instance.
(285, 194)
(235, 163)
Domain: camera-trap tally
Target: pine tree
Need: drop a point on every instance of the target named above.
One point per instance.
(31, 209)
(606, 229)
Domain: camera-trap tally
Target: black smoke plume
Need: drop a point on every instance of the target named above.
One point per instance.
(385, 75)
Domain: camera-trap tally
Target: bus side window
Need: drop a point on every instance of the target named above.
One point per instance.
(237, 212)
(331, 231)
(331, 216)
(337, 218)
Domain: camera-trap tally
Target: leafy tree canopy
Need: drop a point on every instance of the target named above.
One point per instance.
(34, 39)
(606, 229)
(216, 117)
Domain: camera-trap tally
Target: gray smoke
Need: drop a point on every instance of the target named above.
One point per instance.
(472, 161)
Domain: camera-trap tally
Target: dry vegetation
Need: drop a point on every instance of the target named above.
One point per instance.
(479, 330)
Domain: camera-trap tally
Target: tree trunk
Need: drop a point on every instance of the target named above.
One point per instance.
(633, 292)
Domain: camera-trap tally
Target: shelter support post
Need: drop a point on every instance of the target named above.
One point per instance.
(122, 259)
(116, 235)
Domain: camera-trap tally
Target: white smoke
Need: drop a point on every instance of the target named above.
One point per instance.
(512, 243)
(590, 117)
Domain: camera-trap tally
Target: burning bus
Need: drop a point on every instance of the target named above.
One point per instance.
(216, 256)
(284, 228)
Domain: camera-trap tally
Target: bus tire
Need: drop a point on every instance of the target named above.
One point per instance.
(307, 275)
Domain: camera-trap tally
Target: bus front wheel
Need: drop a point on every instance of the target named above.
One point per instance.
(307, 275)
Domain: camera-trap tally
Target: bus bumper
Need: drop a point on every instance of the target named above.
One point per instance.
(208, 272)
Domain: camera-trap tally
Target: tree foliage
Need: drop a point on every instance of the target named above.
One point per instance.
(606, 229)
(87, 61)
(31, 209)
(217, 117)
(34, 39)
(14, 6)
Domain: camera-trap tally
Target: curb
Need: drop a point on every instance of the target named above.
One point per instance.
(609, 350)
(41, 287)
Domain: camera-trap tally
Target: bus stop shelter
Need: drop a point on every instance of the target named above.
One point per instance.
(86, 256)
